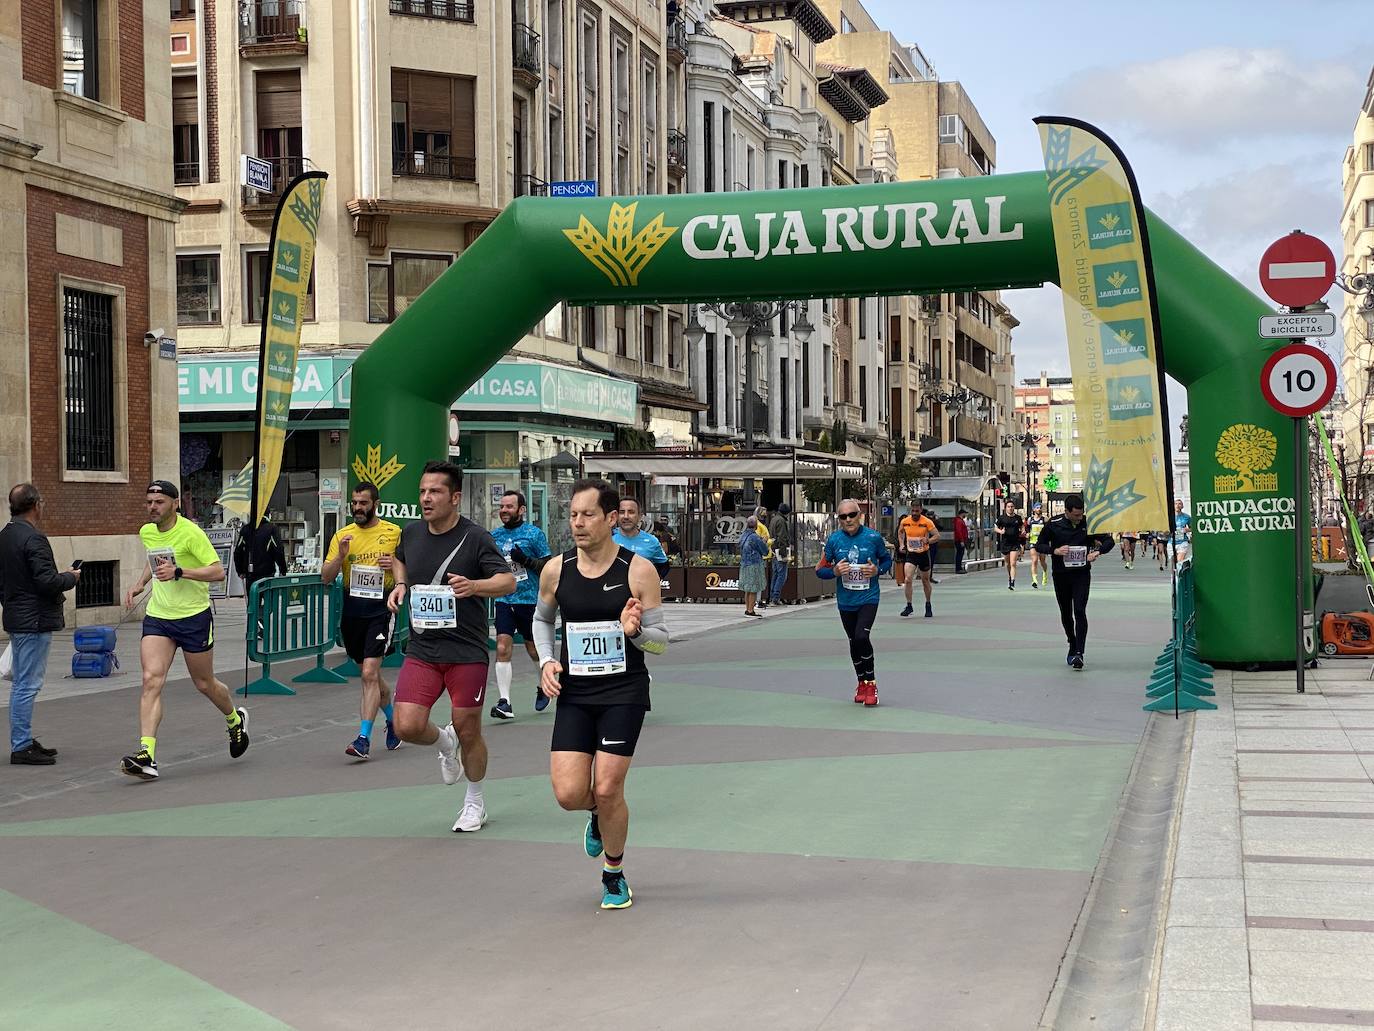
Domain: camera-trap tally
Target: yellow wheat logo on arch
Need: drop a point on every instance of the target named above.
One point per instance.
(373, 471)
(620, 253)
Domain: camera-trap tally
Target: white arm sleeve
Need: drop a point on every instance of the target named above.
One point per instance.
(545, 640)
(653, 632)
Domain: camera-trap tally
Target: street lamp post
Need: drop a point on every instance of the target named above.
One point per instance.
(1031, 443)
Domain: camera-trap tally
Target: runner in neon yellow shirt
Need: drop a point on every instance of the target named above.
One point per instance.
(1038, 561)
(181, 564)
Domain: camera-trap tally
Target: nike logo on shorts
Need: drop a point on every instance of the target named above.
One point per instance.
(611, 587)
(605, 742)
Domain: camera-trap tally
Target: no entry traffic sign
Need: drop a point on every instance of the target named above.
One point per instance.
(1298, 380)
(1297, 270)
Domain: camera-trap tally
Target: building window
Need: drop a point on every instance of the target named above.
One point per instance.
(708, 135)
(806, 374)
(81, 48)
(648, 99)
(254, 282)
(96, 588)
(863, 316)
(712, 416)
(650, 341)
(621, 85)
(392, 288)
(784, 423)
(553, 47)
(556, 322)
(180, 9)
(590, 337)
(845, 24)
(951, 129)
(433, 126)
(1369, 157)
(863, 393)
(89, 363)
(674, 342)
(279, 124)
(848, 394)
(197, 289)
(449, 10)
(1368, 213)
(587, 70)
(622, 343)
(185, 130)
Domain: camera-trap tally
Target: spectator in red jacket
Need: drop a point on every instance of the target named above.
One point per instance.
(960, 539)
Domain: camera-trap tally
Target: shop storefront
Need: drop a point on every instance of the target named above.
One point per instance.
(522, 426)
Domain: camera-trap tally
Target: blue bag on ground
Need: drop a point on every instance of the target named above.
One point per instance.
(94, 639)
(95, 652)
(89, 665)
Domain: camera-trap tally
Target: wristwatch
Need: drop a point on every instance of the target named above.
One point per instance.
(176, 573)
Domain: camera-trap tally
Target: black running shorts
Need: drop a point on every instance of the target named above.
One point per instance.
(919, 559)
(596, 728)
(368, 637)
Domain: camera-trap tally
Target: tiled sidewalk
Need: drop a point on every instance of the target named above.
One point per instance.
(1270, 921)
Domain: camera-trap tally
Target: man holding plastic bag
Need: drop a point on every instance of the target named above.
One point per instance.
(31, 592)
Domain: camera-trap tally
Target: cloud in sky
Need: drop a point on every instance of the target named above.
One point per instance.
(1207, 97)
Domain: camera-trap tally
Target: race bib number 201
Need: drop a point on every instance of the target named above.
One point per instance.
(433, 607)
(595, 649)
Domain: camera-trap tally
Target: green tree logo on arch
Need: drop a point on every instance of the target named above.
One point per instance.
(1247, 450)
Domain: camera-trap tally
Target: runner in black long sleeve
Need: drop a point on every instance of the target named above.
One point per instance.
(1074, 551)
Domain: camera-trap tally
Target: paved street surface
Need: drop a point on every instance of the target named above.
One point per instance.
(1271, 914)
(798, 861)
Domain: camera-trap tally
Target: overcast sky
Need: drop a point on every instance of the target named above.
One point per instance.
(1235, 116)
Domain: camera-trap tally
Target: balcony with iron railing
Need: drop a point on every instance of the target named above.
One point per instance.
(677, 152)
(284, 169)
(445, 10)
(525, 54)
(676, 40)
(530, 186)
(186, 173)
(423, 165)
(272, 27)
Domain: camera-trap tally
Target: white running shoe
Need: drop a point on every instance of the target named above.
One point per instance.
(470, 817)
(450, 766)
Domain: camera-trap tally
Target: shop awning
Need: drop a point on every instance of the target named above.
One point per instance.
(781, 464)
(966, 488)
(952, 452)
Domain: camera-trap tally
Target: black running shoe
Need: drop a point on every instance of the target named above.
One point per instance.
(139, 765)
(907, 611)
(238, 734)
(1076, 662)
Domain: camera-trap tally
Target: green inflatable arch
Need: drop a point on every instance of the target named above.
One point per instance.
(887, 239)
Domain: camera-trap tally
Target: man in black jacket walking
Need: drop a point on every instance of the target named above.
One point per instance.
(31, 592)
(259, 554)
(1074, 551)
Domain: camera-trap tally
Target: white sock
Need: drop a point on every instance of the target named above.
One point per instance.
(448, 741)
(475, 793)
(503, 677)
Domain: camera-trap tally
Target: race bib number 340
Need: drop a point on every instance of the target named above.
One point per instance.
(595, 649)
(433, 607)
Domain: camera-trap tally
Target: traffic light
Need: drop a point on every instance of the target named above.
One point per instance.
(1005, 477)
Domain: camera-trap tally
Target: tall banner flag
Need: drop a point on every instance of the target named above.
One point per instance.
(1113, 328)
(288, 281)
(238, 496)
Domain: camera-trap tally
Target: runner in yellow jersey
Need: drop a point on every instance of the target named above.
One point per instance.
(182, 564)
(364, 553)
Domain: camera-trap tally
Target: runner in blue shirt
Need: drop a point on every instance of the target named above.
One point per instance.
(1183, 532)
(525, 547)
(856, 556)
(641, 542)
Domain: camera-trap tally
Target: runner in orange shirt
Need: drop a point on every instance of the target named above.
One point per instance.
(914, 537)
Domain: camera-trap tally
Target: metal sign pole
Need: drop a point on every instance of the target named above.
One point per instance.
(1297, 551)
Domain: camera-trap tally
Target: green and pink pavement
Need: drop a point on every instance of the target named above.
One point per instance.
(798, 861)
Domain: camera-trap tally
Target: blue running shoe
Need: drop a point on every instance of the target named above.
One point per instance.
(591, 837)
(541, 700)
(358, 748)
(393, 740)
(615, 893)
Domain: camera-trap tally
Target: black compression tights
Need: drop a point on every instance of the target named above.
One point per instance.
(858, 627)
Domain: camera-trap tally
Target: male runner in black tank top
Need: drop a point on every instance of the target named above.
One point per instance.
(612, 614)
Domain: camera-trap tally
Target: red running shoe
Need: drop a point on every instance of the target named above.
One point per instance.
(871, 694)
(861, 693)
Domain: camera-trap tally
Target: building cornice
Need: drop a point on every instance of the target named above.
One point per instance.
(99, 190)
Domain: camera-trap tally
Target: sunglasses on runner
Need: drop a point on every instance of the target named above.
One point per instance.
(849, 515)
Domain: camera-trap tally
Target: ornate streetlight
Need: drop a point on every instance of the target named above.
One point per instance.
(750, 321)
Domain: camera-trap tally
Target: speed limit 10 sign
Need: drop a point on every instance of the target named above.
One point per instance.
(1298, 380)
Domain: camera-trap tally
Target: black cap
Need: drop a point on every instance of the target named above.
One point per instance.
(163, 487)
